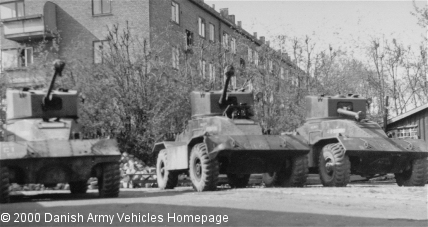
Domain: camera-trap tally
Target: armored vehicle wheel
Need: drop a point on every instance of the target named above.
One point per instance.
(78, 187)
(109, 181)
(270, 179)
(203, 171)
(294, 173)
(238, 180)
(4, 196)
(166, 179)
(416, 175)
(334, 166)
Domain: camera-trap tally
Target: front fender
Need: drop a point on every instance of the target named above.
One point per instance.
(176, 154)
(359, 146)
(285, 144)
(58, 148)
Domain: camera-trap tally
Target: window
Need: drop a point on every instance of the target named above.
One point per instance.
(275, 67)
(226, 41)
(223, 58)
(100, 48)
(175, 57)
(295, 80)
(25, 57)
(212, 32)
(9, 59)
(256, 58)
(202, 66)
(242, 63)
(211, 69)
(15, 58)
(12, 10)
(407, 132)
(250, 55)
(250, 85)
(233, 45)
(101, 7)
(175, 12)
(281, 74)
(201, 25)
(189, 39)
(270, 66)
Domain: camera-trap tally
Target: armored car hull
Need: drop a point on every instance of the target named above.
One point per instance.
(44, 144)
(222, 137)
(219, 145)
(344, 143)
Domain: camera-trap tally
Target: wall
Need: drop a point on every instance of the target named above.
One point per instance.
(190, 11)
(78, 28)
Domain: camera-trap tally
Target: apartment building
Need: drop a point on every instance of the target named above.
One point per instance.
(70, 28)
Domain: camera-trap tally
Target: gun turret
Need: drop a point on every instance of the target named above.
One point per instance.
(47, 100)
(229, 72)
(357, 115)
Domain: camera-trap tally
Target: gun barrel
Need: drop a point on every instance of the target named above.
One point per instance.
(230, 71)
(356, 115)
(58, 66)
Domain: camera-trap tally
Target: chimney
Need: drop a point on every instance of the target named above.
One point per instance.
(262, 39)
(240, 24)
(255, 35)
(232, 18)
(213, 6)
(224, 12)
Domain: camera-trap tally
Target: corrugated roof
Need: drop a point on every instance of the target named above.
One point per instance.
(411, 112)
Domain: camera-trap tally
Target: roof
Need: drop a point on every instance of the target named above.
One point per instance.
(411, 112)
(238, 29)
(226, 20)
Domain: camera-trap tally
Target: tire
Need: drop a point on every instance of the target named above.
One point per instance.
(238, 180)
(415, 176)
(4, 196)
(78, 187)
(203, 171)
(293, 174)
(166, 179)
(109, 181)
(334, 166)
(270, 179)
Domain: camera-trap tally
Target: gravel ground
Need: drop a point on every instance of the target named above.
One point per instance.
(359, 204)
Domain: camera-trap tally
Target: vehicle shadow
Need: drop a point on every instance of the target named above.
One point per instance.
(65, 195)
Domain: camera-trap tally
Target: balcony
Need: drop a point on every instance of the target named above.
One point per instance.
(32, 26)
(23, 78)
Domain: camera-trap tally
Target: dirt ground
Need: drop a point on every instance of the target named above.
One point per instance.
(358, 204)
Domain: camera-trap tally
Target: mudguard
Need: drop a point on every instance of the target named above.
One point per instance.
(369, 146)
(289, 145)
(58, 148)
(176, 151)
(165, 145)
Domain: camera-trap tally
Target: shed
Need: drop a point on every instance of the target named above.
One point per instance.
(412, 124)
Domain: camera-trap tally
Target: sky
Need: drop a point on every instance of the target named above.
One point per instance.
(339, 23)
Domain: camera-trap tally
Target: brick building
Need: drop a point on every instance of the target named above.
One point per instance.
(78, 28)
